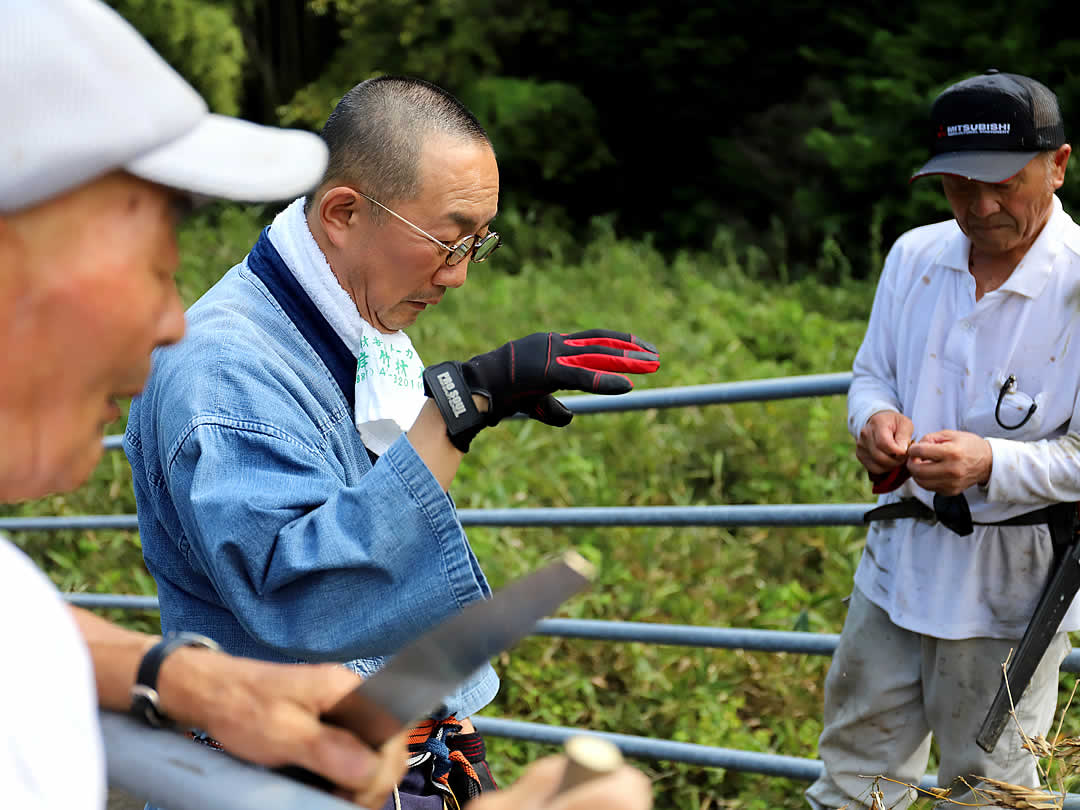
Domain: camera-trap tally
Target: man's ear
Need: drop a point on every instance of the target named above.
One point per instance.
(339, 209)
(1061, 160)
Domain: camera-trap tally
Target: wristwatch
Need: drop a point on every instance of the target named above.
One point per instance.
(145, 701)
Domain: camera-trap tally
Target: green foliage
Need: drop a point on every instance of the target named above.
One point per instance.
(213, 240)
(201, 39)
(877, 132)
(435, 40)
(521, 115)
(669, 120)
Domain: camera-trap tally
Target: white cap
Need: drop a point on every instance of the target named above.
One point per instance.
(82, 94)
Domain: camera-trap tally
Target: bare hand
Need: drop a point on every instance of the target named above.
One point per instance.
(883, 441)
(625, 789)
(950, 461)
(270, 714)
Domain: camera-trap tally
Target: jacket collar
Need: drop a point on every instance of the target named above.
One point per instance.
(265, 262)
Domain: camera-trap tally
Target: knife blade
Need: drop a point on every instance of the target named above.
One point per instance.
(417, 678)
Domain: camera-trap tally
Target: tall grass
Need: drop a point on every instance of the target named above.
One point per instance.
(715, 316)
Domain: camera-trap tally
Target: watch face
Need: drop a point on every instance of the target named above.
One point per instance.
(144, 706)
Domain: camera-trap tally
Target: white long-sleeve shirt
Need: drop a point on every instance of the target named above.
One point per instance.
(939, 357)
(51, 755)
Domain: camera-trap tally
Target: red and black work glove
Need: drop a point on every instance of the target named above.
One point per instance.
(520, 377)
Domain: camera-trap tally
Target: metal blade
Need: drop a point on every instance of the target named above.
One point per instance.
(419, 676)
(1040, 631)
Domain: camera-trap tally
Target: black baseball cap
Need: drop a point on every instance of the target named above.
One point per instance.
(988, 127)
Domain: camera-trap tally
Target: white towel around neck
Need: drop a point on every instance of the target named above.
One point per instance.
(389, 372)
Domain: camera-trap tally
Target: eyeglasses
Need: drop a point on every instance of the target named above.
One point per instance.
(480, 247)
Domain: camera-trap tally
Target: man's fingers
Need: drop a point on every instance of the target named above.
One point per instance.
(881, 442)
(606, 383)
(923, 451)
(607, 337)
(530, 792)
(603, 359)
(878, 452)
(569, 377)
(390, 771)
(905, 430)
(550, 411)
(331, 751)
(364, 776)
(939, 437)
(888, 433)
(625, 789)
(875, 460)
(319, 685)
(608, 343)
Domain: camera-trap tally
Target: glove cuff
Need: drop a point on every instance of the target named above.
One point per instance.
(445, 383)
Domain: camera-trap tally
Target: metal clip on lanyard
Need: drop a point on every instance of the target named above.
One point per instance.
(1010, 382)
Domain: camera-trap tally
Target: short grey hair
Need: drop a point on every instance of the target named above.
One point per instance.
(376, 133)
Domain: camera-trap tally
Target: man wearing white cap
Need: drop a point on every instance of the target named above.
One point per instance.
(101, 143)
(965, 407)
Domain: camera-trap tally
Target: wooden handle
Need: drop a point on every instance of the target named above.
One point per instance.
(587, 758)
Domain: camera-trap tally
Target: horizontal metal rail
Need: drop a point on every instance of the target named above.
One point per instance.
(734, 759)
(169, 770)
(77, 522)
(806, 514)
(801, 768)
(726, 393)
(685, 635)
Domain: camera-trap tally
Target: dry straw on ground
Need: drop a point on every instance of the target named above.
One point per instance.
(982, 791)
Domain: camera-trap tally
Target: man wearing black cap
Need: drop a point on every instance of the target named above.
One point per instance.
(964, 397)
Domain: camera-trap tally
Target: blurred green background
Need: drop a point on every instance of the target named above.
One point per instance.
(723, 181)
(794, 122)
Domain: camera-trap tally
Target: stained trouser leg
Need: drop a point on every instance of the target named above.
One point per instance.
(874, 719)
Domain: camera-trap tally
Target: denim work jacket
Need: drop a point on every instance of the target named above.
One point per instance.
(262, 518)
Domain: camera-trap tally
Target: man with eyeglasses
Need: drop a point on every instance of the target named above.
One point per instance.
(965, 408)
(291, 457)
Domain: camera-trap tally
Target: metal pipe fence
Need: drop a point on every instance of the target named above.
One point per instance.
(812, 514)
(764, 763)
(169, 770)
(185, 776)
(684, 635)
(197, 775)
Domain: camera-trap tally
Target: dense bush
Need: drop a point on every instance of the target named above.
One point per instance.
(797, 119)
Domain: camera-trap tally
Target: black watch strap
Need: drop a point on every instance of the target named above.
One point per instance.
(145, 701)
(445, 383)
